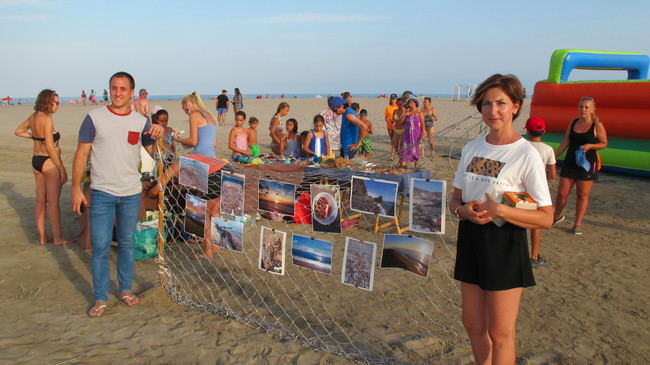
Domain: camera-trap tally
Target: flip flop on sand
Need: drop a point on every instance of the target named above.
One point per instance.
(129, 300)
(97, 310)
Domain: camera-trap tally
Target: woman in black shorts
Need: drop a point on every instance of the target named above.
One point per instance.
(492, 250)
(584, 135)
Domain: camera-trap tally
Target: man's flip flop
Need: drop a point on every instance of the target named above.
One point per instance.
(96, 311)
(130, 300)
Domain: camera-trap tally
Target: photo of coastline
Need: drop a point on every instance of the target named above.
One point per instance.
(276, 197)
(232, 194)
(359, 263)
(228, 234)
(326, 215)
(372, 196)
(407, 252)
(312, 253)
(193, 174)
(195, 215)
(272, 244)
(427, 206)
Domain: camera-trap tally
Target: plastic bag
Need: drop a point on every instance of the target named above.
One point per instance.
(145, 243)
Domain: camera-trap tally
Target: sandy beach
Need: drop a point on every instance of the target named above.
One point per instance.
(590, 304)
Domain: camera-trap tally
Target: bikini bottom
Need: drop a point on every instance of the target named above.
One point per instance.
(38, 161)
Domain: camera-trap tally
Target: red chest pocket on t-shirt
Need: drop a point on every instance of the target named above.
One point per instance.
(134, 137)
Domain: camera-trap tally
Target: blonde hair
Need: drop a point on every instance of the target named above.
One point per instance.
(195, 98)
(594, 117)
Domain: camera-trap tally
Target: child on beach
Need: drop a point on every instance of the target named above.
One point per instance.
(316, 142)
(238, 139)
(535, 129)
(365, 149)
(251, 134)
(162, 117)
(290, 143)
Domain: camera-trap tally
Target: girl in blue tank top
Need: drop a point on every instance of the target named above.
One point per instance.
(316, 142)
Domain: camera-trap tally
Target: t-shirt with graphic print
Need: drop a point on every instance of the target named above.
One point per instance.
(115, 153)
(496, 169)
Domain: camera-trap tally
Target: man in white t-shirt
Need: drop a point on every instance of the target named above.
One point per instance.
(111, 136)
(535, 129)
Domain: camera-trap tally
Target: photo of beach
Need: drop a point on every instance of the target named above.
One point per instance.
(359, 263)
(193, 174)
(195, 215)
(276, 197)
(272, 245)
(312, 253)
(232, 194)
(427, 206)
(227, 234)
(325, 208)
(372, 196)
(407, 252)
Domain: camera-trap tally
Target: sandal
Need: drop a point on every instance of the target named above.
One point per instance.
(96, 311)
(130, 300)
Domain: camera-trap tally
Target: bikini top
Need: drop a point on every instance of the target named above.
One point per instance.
(55, 136)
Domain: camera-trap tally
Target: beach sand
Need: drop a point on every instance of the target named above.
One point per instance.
(590, 304)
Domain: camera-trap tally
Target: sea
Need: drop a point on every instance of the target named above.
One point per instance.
(311, 260)
(72, 99)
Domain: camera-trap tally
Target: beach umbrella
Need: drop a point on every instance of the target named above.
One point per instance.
(7, 99)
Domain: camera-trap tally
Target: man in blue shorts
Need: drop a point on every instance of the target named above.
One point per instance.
(222, 107)
(111, 136)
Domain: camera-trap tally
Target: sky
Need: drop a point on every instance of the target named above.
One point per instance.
(293, 46)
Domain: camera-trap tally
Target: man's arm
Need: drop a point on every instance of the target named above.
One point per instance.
(362, 130)
(78, 167)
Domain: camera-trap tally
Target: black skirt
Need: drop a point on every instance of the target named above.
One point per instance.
(492, 257)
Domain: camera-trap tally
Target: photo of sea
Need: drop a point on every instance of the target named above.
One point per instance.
(276, 197)
(228, 234)
(193, 174)
(312, 253)
(195, 215)
(373, 196)
(407, 252)
(427, 206)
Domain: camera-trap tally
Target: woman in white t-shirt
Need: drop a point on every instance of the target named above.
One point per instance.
(492, 251)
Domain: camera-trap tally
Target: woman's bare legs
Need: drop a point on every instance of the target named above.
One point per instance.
(475, 321)
(563, 191)
(39, 206)
(53, 194)
(430, 133)
(583, 188)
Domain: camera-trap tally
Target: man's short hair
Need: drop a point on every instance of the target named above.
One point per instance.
(125, 75)
(224, 91)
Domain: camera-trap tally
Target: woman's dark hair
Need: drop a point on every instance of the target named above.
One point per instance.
(158, 114)
(319, 118)
(240, 113)
(510, 85)
(44, 100)
(345, 95)
(295, 125)
(237, 92)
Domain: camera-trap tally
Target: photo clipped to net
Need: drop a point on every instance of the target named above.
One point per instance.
(372, 196)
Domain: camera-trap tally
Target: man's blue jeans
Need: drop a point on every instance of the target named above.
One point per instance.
(104, 210)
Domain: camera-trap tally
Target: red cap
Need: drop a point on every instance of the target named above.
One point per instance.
(535, 124)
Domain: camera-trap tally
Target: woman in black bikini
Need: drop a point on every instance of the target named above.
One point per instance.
(48, 169)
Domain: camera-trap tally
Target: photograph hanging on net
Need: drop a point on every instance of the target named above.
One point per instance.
(272, 247)
(373, 196)
(359, 263)
(193, 174)
(227, 234)
(195, 215)
(232, 194)
(325, 208)
(276, 197)
(312, 253)
(427, 206)
(407, 252)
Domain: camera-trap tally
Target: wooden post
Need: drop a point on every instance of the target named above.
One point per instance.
(161, 217)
